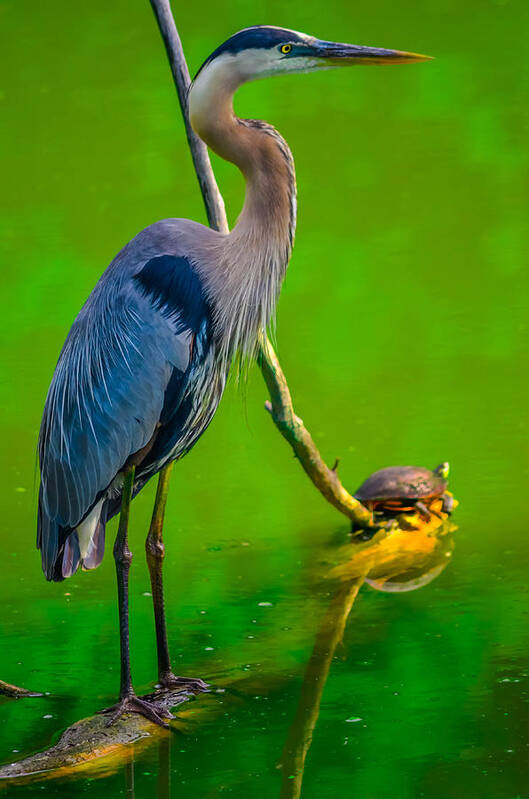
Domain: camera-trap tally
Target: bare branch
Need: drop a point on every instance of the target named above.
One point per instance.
(292, 428)
(289, 425)
(7, 689)
(213, 200)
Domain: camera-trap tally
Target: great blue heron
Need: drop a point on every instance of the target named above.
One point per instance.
(144, 365)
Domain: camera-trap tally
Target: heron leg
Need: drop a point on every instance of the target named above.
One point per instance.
(123, 559)
(128, 701)
(155, 551)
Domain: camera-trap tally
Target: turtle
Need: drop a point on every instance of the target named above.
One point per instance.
(398, 489)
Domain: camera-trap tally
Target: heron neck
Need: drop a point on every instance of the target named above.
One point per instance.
(253, 257)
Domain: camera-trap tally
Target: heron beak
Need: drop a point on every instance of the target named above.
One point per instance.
(335, 54)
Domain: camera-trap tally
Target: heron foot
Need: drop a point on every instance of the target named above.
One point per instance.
(193, 684)
(154, 711)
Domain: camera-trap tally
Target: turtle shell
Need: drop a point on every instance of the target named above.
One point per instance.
(401, 482)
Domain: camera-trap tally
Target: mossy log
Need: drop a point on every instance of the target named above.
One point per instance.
(89, 745)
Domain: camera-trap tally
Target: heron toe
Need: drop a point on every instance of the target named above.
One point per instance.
(154, 711)
(193, 684)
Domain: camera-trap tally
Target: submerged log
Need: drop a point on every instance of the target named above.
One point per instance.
(85, 743)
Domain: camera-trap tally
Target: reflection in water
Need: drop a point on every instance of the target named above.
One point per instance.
(164, 769)
(163, 784)
(403, 561)
(300, 733)
(129, 778)
(417, 575)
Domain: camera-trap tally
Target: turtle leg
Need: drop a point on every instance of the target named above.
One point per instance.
(448, 503)
(423, 510)
(365, 533)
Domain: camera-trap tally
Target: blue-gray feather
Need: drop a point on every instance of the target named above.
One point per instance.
(127, 373)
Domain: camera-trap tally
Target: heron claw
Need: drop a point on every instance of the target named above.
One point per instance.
(154, 711)
(193, 684)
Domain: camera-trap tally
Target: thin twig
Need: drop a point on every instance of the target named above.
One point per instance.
(7, 689)
(281, 409)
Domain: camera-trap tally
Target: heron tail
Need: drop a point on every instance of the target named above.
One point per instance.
(96, 546)
(85, 546)
(63, 550)
(71, 555)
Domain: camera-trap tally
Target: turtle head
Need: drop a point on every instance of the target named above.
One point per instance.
(443, 470)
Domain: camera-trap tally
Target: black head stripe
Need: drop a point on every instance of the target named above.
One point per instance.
(258, 36)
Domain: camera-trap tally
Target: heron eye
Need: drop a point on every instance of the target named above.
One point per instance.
(285, 48)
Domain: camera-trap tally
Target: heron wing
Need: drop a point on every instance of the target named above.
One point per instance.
(125, 361)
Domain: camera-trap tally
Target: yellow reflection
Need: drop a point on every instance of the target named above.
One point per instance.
(404, 559)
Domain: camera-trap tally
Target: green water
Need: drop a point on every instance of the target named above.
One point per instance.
(402, 328)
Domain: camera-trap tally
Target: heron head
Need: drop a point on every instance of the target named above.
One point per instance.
(264, 50)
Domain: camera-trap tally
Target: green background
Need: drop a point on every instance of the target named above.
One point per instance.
(402, 328)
